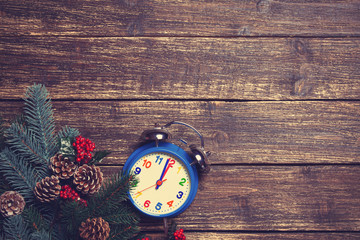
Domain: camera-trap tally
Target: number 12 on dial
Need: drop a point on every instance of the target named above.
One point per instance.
(167, 183)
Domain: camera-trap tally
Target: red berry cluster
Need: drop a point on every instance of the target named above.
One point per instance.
(83, 147)
(179, 234)
(68, 193)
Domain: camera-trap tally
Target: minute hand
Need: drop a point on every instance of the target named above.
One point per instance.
(166, 168)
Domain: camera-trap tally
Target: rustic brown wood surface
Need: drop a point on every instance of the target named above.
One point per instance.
(282, 132)
(252, 236)
(182, 68)
(275, 198)
(180, 17)
(273, 85)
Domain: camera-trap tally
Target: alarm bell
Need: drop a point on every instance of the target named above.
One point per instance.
(198, 154)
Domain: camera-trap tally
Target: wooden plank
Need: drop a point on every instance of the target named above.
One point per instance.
(182, 68)
(273, 198)
(285, 132)
(179, 18)
(256, 236)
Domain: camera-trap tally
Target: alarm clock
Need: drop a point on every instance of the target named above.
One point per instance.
(167, 175)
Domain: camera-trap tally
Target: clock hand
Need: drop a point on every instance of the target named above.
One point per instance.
(149, 187)
(159, 182)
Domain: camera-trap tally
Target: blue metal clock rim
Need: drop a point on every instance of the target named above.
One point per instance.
(177, 152)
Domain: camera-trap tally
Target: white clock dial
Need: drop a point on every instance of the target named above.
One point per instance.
(163, 183)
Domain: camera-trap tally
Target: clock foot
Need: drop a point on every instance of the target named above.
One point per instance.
(166, 226)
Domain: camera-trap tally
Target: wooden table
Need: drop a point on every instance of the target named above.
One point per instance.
(272, 85)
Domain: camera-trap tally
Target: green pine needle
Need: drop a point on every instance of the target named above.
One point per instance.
(18, 173)
(73, 214)
(111, 195)
(39, 217)
(123, 216)
(15, 228)
(2, 137)
(39, 118)
(99, 156)
(68, 132)
(30, 143)
(23, 143)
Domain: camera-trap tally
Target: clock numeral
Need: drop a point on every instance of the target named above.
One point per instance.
(183, 180)
(137, 170)
(170, 203)
(158, 206)
(147, 203)
(171, 163)
(138, 194)
(135, 183)
(180, 194)
(179, 170)
(147, 163)
(158, 158)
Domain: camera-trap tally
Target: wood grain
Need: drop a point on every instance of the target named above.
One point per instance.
(273, 198)
(260, 236)
(285, 132)
(180, 18)
(182, 68)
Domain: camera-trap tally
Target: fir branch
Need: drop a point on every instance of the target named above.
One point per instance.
(123, 233)
(2, 137)
(43, 220)
(68, 132)
(123, 216)
(1, 227)
(66, 137)
(110, 203)
(22, 142)
(15, 228)
(111, 195)
(19, 175)
(98, 157)
(42, 235)
(73, 214)
(38, 115)
(3, 185)
(37, 219)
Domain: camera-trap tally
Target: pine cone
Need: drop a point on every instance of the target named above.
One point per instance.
(62, 166)
(48, 189)
(88, 179)
(94, 229)
(11, 203)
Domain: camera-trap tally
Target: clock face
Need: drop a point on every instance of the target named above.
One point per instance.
(163, 186)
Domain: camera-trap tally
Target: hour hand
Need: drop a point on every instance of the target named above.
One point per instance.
(160, 181)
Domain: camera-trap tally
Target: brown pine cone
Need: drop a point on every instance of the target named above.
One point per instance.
(94, 229)
(48, 189)
(88, 179)
(62, 166)
(11, 203)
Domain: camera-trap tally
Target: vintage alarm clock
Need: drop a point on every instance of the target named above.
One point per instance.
(167, 175)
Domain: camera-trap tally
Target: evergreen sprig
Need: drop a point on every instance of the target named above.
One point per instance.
(39, 118)
(2, 131)
(99, 156)
(68, 132)
(24, 160)
(73, 214)
(22, 143)
(111, 195)
(39, 217)
(18, 173)
(15, 228)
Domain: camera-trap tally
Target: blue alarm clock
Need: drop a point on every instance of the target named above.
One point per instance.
(167, 176)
